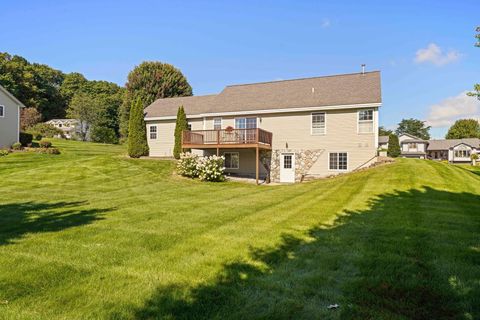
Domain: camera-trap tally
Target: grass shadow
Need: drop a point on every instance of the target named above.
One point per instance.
(19, 219)
(410, 255)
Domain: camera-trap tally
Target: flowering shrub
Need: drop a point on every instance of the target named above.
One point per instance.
(211, 168)
(206, 168)
(187, 165)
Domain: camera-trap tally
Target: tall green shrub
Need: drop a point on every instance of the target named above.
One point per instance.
(393, 146)
(137, 140)
(180, 125)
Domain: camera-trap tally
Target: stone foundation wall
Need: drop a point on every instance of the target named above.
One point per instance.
(304, 160)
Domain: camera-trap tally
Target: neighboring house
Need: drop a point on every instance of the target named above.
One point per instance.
(9, 118)
(70, 127)
(288, 129)
(383, 145)
(452, 150)
(412, 147)
(383, 142)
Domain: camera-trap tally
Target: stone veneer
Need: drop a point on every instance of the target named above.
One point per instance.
(304, 160)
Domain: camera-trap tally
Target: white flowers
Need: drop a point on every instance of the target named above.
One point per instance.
(206, 168)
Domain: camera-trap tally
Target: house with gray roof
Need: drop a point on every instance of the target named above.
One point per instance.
(452, 150)
(288, 130)
(9, 118)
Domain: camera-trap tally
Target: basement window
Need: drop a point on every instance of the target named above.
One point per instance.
(338, 161)
(232, 160)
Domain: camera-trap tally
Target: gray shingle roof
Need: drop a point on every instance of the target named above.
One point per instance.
(383, 139)
(450, 143)
(345, 89)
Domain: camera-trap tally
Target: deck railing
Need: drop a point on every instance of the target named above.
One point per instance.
(227, 137)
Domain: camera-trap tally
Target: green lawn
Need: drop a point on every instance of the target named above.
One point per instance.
(90, 234)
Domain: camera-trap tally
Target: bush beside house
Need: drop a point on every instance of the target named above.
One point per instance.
(209, 168)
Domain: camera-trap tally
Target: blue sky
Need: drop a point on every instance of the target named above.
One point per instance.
(423, 48)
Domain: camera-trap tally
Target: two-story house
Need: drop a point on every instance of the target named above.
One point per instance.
(288, 129)
(9, 118)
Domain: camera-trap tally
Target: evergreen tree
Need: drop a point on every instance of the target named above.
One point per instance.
(393, 146)
(180, 125)
(137, 140)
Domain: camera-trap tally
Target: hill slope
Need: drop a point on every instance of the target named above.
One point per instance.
(92, 234)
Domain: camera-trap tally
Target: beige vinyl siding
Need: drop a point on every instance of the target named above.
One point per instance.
(293, 131)
(9, 123)
(246, 164)
(163, 145)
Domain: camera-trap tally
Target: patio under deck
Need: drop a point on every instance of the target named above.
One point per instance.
(255, 138)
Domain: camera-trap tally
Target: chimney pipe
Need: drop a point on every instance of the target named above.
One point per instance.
(363, 68)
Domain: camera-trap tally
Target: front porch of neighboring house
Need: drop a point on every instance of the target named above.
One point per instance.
(241, 147)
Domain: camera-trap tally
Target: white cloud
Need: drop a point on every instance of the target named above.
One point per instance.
(325, 23)
(444, 113)
(434, 54)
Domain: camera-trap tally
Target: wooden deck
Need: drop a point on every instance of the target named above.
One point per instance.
(229, 138)
(220, 139)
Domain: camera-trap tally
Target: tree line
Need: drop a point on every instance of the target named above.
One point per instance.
(102, 107)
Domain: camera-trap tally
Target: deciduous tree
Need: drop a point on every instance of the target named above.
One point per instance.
(414, 127)
(464, 128)
(29, 117)
(150, 81)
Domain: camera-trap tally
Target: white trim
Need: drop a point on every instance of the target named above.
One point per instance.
(235, 122)
(11, 96)
(18, 123)
(150, 132)
(238, 154)
(3, 111)
(338, 170)
(325, 122)
(221, 122)
(256, 112)
(366, 121)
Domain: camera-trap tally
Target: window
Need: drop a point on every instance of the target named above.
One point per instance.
(189, 127)
(153, 132)
(412, 146)
(462, 153)
(232, 160)
(217, 123)
(245, 123)
(59, 125)
(318, 123)
(365, 121)
(287, 161)
(2, 111)
(338, 161)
